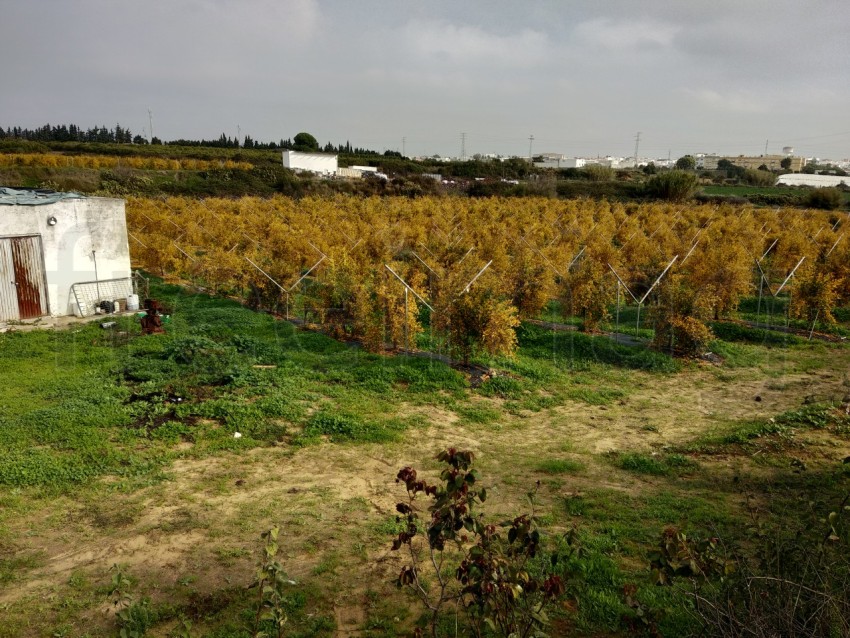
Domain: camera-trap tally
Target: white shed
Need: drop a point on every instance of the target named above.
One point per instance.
(60, 253)
(322, 163)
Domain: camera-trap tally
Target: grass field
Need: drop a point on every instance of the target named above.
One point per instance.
(119, 449)
(740, 191)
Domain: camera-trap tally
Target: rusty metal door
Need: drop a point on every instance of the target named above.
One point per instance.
(22, 265)
(8, 291)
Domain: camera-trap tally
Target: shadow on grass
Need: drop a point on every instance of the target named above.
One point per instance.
(573, 349)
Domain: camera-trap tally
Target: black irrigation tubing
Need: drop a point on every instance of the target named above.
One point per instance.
(619, 337)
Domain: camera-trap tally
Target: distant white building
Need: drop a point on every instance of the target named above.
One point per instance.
(772, 162)
(573, 162)
(707, 161)
(608, 161)
(348, 172)
(358, 172)
(818, 181)
(321, 163)
(549, 160)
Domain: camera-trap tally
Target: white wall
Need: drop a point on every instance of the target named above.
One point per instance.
(549, 163)
(82, 226)
(316, 162)
(349, 172)
(573, 162)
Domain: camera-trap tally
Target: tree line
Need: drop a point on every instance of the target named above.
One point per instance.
(73, 133)
(122, 135)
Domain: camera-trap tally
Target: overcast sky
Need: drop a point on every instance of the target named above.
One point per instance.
(583, 78)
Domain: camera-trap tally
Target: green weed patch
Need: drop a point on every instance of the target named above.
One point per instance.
(658, 465)
(778, 431)
(559, 466)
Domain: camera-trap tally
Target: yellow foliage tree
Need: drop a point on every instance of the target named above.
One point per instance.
(814, 295)
(680, 317)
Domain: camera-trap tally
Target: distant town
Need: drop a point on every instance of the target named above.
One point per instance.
(703, 161)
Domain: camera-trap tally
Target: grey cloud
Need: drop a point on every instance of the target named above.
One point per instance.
(582, 77)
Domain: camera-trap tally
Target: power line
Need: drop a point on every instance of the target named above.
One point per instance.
(637, 146)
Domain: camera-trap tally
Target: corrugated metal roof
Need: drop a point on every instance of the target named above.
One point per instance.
(33, 196)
